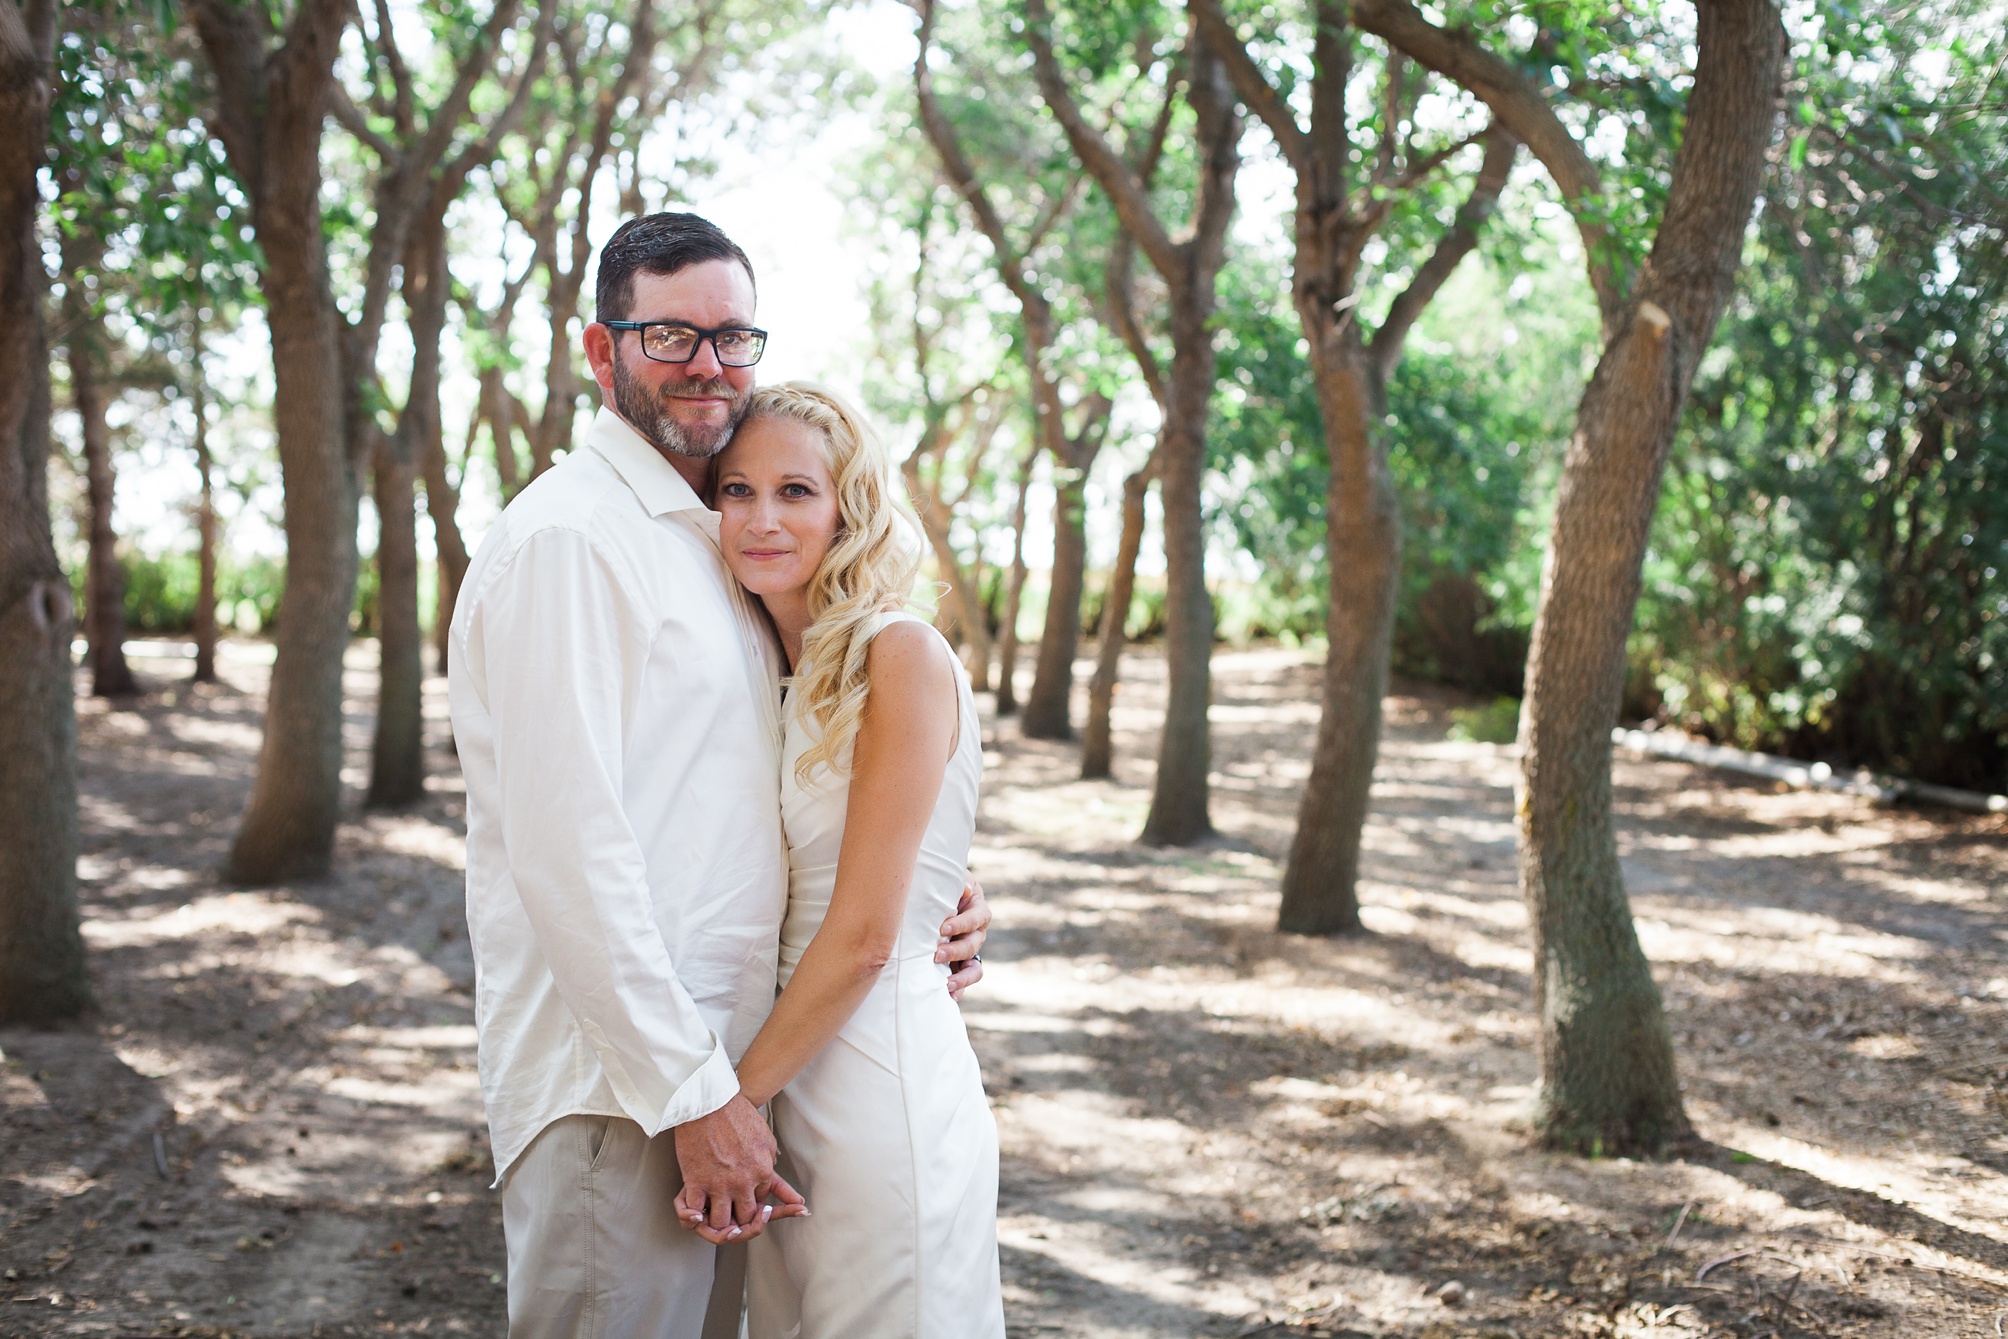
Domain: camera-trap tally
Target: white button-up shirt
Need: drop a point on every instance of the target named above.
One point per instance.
(615, 704)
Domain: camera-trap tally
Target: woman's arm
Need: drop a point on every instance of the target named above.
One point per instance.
(903, 746)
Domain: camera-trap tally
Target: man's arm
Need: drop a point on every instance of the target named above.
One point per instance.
(562, 645)
(962, 937)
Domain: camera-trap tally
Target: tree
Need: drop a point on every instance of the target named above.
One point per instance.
(421, 164)
(1189, 266)
(1014, 589)
(548, 187)
(273, 91)
(1338, 211)
(1608, 1079)
(104, 582)
(147, 192)
(205, 515)
(1045, 714)
(272, 101)
(1098, 740)
(42, 972)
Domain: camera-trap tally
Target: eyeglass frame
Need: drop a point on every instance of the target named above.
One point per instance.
(641, 327)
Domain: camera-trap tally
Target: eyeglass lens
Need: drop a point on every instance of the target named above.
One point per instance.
(678, 344)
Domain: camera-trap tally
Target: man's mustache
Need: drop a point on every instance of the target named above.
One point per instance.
(716, 388)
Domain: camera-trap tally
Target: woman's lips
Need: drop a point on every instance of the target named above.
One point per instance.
(762, 555)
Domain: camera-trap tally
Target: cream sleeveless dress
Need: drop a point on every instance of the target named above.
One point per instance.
(886, 1132)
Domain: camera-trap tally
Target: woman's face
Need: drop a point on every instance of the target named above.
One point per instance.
(777, 505)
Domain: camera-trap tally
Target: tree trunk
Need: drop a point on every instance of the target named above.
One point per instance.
(495, 406)
(1190, 269)
(442, 504)
(968, 606)
(1608, 1081)
(205, 529)
(1178, 802)
(1014, 589)
(104, 582)
(965, 599)
(1046, 714)
(289, 823)
(442, 499)
(397, 752)
(1097, 744)
(397, 759)
(273, 107)
(42, 973)
(1363, 542)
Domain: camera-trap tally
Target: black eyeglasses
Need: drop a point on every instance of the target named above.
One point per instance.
(675, 342)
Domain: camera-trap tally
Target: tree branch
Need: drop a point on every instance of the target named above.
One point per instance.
(1451, 248)
(1131, 201)
(1520, 108)
(1251, 85)
(400, 77)
(357, 122)
(1120, 285)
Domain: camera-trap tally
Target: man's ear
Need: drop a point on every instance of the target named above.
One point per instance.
(599, 345)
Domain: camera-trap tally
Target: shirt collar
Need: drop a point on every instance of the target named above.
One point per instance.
(654, 480)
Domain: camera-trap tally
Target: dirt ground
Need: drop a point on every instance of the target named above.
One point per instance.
(273, 1126)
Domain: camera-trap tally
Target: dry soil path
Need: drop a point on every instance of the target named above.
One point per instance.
(1209, 1129)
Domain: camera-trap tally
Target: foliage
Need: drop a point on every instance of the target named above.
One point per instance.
(1826, 569)
(1477, 410)
(1827, 572)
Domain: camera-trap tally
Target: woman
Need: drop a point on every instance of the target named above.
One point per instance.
(877, 1099)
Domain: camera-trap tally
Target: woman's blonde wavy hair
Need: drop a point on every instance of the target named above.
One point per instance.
(868, 571)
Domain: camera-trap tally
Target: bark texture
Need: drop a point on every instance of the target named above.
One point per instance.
(1342, 200)
(1014, 591)
(205, 528)
(1190, 267)
(1097, 743)
(397, 752)
(272, 102)
(42, 970)
(1608, 1079)
(104, 579)
(1047, 711)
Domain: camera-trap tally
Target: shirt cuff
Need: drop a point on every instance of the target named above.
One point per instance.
(711, 1087)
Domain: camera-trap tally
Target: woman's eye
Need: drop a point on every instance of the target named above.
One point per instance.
(796, 490)
(735, 490)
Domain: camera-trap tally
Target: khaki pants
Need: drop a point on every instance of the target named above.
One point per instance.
(595, 1251)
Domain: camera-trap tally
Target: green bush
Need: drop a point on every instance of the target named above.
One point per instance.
(1497, 722)
(160, 592)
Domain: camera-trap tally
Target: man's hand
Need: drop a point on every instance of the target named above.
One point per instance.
(962, 937)
(727, 1159)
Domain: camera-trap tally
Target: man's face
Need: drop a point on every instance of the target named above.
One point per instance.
(688, 408)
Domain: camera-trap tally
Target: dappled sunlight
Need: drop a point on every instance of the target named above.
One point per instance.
(1205, 1114)
(1208, 1128)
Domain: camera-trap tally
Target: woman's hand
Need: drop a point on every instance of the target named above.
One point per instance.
(727, 1161)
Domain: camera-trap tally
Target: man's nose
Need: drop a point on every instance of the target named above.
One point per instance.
(704, 364)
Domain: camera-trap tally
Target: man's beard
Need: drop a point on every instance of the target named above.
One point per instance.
(648, 413)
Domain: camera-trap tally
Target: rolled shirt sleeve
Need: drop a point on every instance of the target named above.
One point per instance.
(563, 646)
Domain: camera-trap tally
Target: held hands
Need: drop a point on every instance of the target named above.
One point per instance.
(727, 1159)
(962, 937)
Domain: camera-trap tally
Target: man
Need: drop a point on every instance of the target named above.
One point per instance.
(616, 706)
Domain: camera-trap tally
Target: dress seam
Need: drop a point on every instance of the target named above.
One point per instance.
(906, 1111)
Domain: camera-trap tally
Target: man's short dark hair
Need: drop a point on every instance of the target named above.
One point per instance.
(656, 244)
